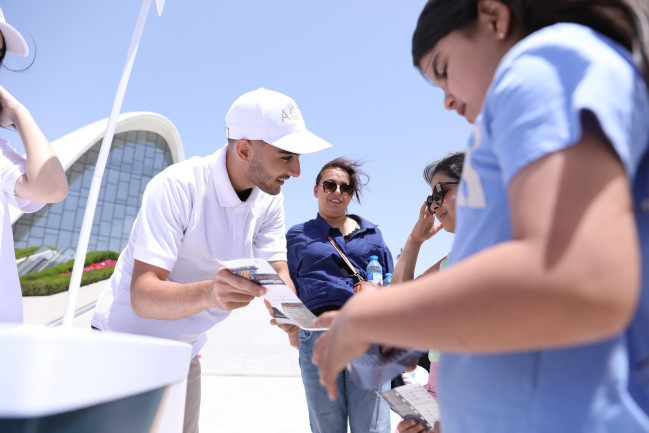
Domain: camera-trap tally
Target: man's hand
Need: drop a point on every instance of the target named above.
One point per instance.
(290, 329)
(229, 291)
(294, 340)
(412, 426)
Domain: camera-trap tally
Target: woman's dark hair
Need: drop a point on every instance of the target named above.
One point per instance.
(3, 50)
(624, 21)
(451, 165)
(357, 178)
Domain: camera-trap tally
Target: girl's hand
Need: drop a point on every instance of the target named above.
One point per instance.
(425, 227)
(411, 426)
(336, 348)
(9, 107)
(325, 319)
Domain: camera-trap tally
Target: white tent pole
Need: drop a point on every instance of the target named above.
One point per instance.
(86, 226)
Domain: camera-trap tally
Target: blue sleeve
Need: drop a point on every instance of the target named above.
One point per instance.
(389, 264)
(523, 130)
(386, 256)
(294, 246)
(569, 81)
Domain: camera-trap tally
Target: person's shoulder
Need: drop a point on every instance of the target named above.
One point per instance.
(303, 229)
(569, 47)
(369, 228)
(365, 223)
(295, 236)
(557, 35)
(190, 164)
(180, 181)
(561, 64)
(296, 230)
(185, 171)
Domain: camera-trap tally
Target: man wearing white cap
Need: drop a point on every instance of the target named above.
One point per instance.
(200, 212)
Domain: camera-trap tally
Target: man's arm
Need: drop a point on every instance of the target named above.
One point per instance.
(281, 267)
(153, 297)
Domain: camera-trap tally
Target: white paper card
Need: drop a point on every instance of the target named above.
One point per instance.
(412, 401)
(286, 305)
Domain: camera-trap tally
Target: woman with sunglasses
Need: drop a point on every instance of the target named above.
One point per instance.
(443, 176)
(324, 282)
(27, 183)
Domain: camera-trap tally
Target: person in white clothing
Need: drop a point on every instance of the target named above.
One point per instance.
(27, 182)
(168, 281)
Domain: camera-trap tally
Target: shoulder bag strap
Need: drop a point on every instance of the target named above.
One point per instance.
(353, 269)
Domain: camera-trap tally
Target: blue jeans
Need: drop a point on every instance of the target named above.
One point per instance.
(366, 411)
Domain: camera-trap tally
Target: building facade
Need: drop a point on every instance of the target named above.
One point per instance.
(144, 144)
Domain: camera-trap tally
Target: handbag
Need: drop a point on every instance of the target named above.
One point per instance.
(361, 284)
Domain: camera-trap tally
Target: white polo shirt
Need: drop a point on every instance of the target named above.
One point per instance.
(190, 220)
(12, 166)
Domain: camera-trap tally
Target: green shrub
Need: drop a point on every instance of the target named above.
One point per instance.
(96, 275)
(49, 281)
(47, 285)
(24, 252)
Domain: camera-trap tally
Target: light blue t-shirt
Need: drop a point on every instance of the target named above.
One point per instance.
(638, 333)
(532, 109)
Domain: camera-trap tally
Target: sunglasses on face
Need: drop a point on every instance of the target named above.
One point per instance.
(438, 195)
(329, 186)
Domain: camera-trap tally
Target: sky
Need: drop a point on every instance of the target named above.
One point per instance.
(347, 64)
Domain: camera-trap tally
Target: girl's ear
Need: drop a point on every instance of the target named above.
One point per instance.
(496, 16)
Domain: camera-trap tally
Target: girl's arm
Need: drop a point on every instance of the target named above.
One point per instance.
(44, 179)
(570, 275)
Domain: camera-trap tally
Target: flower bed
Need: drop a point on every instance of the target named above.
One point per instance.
(110, 263)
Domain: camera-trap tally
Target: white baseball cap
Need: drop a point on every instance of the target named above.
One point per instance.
(274, 118)
(15, 42)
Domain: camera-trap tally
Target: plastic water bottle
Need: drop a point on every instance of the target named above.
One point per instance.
(374, 271)
(387, 280)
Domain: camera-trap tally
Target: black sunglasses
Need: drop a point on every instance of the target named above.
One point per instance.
(438, 195)
(329, 186)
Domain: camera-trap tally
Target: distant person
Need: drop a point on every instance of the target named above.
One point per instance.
(540, 316)
(443, 176)
(168, 281)
(324, 282)
(27, 182)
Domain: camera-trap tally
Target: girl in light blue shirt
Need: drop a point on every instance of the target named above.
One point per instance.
(532, 315)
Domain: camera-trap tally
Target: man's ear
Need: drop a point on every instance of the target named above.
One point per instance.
(243, 149)
(315, 191)
(496, 17)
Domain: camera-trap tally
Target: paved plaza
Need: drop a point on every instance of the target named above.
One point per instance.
(250, 375)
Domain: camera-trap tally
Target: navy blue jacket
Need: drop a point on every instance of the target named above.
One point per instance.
(319, 273)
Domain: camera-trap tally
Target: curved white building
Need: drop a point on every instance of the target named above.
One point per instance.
(144, 144)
